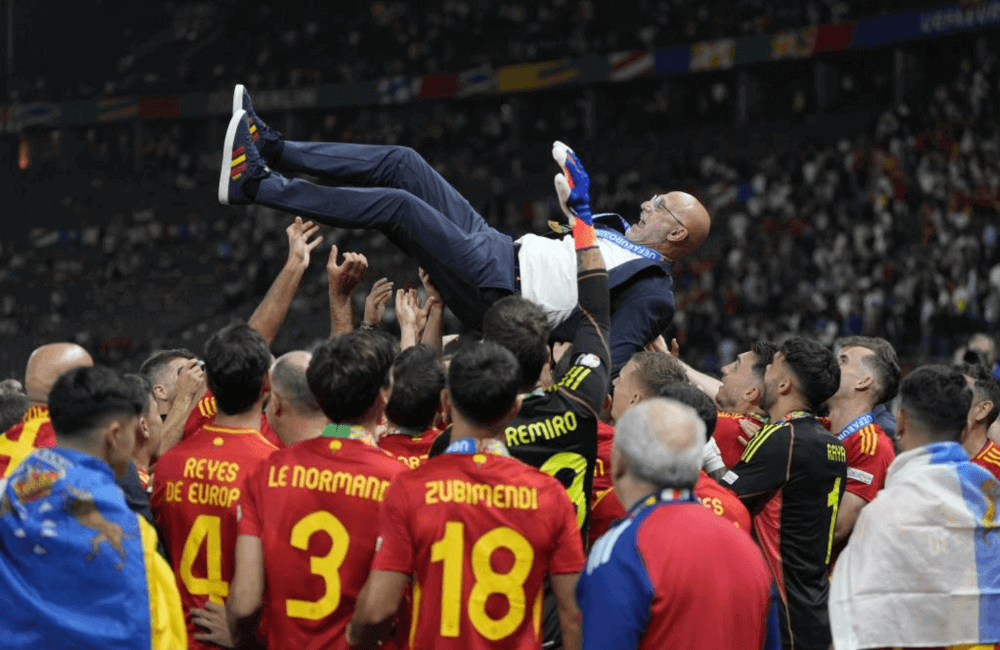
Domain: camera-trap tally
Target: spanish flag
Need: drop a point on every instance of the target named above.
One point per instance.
(78, 569)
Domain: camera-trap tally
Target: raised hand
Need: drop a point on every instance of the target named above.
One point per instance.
(574, 179)
(429, 288)
(345, 277)
(299, 244)
(376, 302)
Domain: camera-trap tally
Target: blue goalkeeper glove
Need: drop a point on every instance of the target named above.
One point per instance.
(578, 199)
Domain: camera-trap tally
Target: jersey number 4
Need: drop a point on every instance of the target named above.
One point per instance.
(450, 550)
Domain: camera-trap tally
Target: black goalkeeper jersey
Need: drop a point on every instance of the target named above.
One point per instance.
(791, 477)
(556, 430)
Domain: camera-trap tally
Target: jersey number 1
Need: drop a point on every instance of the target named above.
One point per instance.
(450, 550)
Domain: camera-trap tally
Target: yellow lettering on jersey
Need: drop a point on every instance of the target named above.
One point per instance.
(551, 427)
(317, 480)
(413, 462)
(206, 494)
(515, 497)
(214, 470)
(836, 453)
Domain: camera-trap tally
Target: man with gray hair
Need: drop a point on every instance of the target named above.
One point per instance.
(645, 581)
(292, 410)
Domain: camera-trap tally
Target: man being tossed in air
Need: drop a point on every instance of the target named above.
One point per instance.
(393, 190)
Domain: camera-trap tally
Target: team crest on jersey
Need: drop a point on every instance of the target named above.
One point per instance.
(36, 484)
(588, 360)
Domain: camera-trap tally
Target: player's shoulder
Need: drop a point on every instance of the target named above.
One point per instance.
(871, 440)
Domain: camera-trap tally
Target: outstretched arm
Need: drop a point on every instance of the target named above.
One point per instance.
(590, 366)
(342, 279)
(434, 330)
(271, 312)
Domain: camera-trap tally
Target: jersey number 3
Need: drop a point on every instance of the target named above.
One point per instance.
(450, 550)
(327, 566)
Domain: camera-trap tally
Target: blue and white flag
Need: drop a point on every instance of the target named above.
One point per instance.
(922, 567)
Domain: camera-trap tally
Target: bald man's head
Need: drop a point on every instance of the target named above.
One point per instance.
(661, 442)
(288, 380)
(47, 363)
(675, 224)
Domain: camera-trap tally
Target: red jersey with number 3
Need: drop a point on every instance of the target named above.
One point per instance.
(196, 489)
(33, 431)
(479, 532)
(313, 505)
(204, 413)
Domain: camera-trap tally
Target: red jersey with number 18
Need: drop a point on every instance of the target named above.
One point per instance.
(313, 505)
(196, 489)
(479, 532)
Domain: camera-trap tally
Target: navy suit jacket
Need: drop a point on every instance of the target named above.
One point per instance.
(642, 302)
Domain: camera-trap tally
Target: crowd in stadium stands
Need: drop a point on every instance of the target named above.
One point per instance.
(189, 42)
(922, 182)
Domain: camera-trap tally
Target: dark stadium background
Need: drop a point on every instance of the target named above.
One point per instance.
(847, 150)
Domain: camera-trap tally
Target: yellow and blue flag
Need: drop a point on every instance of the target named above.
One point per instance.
(77, 567)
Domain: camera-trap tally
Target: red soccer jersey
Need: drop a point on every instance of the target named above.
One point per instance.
(479, 533)
(34, 430)
(602, 472)
(412, 451)
(722, 502)
(204, 413)
(313, 505)
(727, 434)
(196, 489)
(869, 454)
(989, 458)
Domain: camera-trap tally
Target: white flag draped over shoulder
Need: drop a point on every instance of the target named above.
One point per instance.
(922, 567)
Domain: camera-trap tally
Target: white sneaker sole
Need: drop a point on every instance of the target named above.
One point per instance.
(238, 98)
(227, 156)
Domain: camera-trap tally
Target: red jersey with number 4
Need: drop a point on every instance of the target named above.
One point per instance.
(33, 431)
(313, 505)
(412, 451)
(204, 413)
(479, 533)
(196, 489)
(869, 454)
(989, 458)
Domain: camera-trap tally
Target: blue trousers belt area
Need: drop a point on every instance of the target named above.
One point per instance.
(394, 191)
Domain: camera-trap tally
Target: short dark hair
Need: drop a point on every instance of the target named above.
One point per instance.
(236, 363)
(483, 381)
(417, 381)
(143, 390)
(815, 367)
(654, 370)
(158, 361)
(764, 353)
(939, 398)
(696, 398)
(347, 371)
(83, 399)
(984, 387)
(519, 325)
(13, 406)
(883, 363)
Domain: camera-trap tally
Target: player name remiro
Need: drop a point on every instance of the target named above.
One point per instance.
(517, 497)
(323, 480)
(552, 427)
